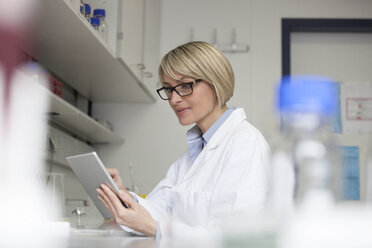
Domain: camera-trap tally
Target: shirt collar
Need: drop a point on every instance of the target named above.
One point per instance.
(209, 133)
(196, 140)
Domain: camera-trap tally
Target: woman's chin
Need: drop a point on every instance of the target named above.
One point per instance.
(185, 122)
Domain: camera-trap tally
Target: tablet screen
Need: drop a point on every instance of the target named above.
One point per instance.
(91, 173)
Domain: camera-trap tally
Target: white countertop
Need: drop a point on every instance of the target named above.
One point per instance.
(107, 235)
(109, 240)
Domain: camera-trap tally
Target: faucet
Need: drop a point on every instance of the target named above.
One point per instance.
(79, 212)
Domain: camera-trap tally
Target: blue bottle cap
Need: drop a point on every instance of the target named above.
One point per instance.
(87, 8)
(94, 21)
(307, 94)
(99, 13)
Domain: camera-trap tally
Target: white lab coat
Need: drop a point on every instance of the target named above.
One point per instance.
(229, 175)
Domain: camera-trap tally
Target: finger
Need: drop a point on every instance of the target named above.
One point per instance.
(127, 198)
(122, 202)
(101, 193)
(113, 171)
(108, 200)
(114, 199)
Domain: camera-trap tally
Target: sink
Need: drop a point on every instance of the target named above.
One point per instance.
(97, 232)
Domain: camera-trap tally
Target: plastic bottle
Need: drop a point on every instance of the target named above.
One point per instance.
(103, 28)
(87, 11)
(95, 23)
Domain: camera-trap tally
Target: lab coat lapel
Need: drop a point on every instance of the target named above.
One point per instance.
(224, 130)
(198, 163)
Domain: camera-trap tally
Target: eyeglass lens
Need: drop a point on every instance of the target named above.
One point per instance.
(182, 90)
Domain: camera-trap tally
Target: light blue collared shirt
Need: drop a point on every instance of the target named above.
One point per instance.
(196, 140)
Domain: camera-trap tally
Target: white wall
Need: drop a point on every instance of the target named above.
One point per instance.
(153, 136)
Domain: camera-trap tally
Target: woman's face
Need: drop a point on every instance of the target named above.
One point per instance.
(201, 107)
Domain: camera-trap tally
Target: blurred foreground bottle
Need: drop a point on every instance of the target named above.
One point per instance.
(305, 161)
(307, 187)
(25, 220)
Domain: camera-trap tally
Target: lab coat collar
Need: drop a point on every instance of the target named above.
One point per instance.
(225, 129)
(236, 117)
(230, 123)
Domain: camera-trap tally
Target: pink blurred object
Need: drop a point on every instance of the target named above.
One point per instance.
(26, 208)
(16, 29)
(10, 57)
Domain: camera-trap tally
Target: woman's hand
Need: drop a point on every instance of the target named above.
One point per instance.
(114, 173)
(135, 217)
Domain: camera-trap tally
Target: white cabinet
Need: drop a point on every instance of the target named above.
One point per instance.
(151, 44)
(132, 35)
(140, 45)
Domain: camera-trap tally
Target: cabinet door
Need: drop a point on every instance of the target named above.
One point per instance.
(151, 46)
(132, 29)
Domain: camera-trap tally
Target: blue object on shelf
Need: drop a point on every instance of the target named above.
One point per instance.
(99, 13)
(87, 9)
(94, 21)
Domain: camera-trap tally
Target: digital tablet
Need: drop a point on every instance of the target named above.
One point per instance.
(91, 173)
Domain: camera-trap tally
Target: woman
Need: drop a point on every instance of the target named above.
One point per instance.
(224, 169)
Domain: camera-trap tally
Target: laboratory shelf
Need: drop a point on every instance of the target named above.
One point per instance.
(79, 123)
(71, 118)
(70, 48)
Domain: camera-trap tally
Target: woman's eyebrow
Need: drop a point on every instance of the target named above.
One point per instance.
(179, 80)
(182, 78)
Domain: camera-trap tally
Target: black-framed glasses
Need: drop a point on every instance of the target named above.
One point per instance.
(183, 89)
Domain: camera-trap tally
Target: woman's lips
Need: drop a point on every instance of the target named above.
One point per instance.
(181, 111)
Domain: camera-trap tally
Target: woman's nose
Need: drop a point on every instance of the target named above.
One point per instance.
(175, 97)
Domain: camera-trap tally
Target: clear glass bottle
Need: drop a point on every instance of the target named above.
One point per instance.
(87, 11)
(95, 23)
(82, 8)
(315, 181)
(305, 162)
(103, 27)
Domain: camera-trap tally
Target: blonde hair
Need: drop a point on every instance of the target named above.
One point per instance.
(201, 60)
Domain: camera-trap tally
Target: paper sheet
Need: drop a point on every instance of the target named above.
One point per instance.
(356, 100)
